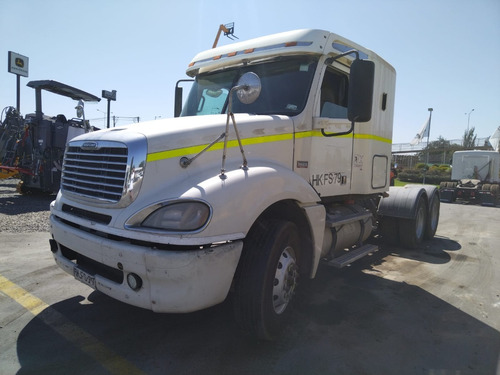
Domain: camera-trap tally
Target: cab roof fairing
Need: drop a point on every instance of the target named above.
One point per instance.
(298, 42)
(289, 43)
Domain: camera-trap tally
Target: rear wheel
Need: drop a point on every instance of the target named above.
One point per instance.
(412, 231)
(433, 218)
(495, 191)
(267, 278)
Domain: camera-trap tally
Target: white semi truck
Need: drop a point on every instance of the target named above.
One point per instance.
(280, 159)
(475, 178)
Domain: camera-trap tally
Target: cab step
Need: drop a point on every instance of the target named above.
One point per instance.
(352, 256)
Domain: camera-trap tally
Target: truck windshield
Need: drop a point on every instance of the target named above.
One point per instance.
(285, 87)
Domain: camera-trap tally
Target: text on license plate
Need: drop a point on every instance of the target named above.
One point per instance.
(84, 277)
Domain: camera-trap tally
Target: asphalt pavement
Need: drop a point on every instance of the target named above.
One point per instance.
(434, 310)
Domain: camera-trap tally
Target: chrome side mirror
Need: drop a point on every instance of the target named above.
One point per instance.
(248, 88)
(79, 109)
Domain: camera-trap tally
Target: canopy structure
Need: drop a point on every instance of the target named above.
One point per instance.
(64, 90)
(495, 139)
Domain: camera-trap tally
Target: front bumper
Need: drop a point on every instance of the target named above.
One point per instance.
(173, 281)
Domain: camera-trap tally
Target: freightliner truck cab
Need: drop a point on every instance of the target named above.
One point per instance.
(280, 159)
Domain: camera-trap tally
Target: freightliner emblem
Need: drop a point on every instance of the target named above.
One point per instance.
(89, 146)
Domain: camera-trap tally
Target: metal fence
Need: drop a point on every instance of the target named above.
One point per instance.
(404, 155)
(408, 148)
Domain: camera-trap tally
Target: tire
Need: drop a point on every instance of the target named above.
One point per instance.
(22, 189)
(495, 190)
(412, 231)
(267, 278)
(432, 218)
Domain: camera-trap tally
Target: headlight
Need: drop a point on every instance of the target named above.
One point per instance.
(179, 216)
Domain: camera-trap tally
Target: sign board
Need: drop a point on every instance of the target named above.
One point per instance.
(18, 64)
(110, 95)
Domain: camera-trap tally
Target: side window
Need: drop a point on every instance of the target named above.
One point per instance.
(334, 94)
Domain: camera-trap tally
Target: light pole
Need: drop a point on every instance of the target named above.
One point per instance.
(105, 115)
(468, 120)
(427, 147)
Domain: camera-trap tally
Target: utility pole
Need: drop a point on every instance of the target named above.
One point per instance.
(468, 120)
(427, 147)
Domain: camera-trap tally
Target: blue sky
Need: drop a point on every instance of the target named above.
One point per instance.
(446, 52)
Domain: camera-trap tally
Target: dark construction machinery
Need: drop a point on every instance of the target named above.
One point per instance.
(33, 147)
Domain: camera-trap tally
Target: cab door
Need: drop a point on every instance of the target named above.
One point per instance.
(331, 143)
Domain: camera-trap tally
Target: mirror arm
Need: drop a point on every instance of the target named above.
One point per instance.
(230, 115)
(185, 161)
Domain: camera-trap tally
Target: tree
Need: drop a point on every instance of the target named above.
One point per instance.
(439, 144)
(469, 139)
(440, 151)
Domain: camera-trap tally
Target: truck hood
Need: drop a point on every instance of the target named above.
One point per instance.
(182, 132)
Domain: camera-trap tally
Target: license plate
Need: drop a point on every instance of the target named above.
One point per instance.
(84, 277)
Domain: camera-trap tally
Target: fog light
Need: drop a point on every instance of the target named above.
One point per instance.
(134, 281)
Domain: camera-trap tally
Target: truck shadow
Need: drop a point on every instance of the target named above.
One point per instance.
(434, 251)
(347, 321)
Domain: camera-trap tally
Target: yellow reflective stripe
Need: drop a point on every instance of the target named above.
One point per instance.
(317, 133)
(218, 146)
(308, 134)
(179, 152)
(374, 137)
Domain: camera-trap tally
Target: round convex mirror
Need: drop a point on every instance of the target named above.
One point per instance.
(79, 109)
(249, 87)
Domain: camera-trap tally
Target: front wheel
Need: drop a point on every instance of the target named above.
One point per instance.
(267, 278)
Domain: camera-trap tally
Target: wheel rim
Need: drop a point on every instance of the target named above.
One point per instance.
(420, 222)
(285, 280)
(434, 214)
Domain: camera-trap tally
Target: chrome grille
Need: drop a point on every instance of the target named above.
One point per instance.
(99, 172)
